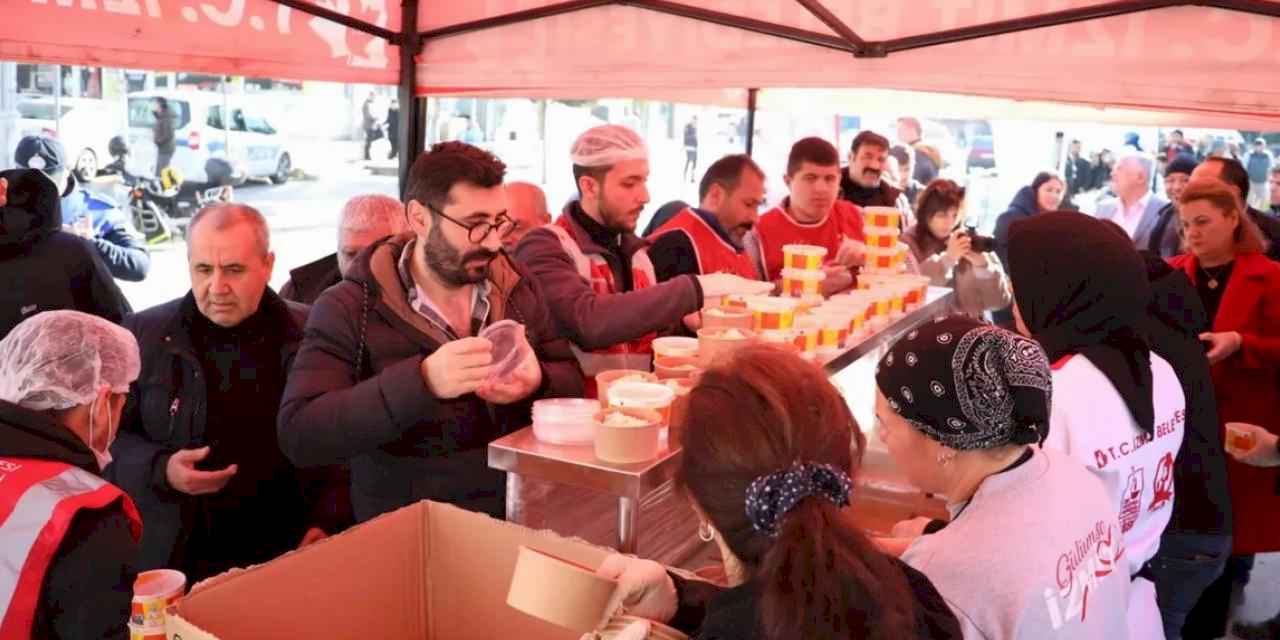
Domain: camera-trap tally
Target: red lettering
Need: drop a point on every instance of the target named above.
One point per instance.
(1100, 457)
(1123, 447)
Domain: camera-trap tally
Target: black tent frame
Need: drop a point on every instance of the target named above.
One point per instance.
(842, 37)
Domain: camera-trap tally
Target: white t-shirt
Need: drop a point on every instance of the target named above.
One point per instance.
(1090, 422)
(1034, 555)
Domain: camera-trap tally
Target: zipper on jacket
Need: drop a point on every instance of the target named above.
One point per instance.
(173, 414)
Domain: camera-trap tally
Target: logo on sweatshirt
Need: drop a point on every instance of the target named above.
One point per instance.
(1080, 569)
(1163, 484)
(1131, 506)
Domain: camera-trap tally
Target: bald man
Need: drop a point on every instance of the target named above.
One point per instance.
(528, 207)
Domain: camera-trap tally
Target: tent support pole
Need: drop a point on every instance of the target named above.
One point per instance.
(751, 119)
(411, 106)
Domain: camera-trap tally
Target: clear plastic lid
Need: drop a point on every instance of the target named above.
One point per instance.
(509, 347)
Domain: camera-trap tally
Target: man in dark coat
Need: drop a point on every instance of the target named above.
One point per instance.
(365, 219)
(863, 183)
(197, 447)
(43, 267)
(392, 376)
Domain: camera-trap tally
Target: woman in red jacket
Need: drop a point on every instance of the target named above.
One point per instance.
(1240, 289)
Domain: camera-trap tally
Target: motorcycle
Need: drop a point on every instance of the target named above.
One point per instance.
(161, 207)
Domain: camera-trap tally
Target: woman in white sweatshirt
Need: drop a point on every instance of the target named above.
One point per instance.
(1079, 288)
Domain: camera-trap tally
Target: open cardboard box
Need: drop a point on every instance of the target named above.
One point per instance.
(428, 571)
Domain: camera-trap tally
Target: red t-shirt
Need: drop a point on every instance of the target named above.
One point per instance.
(777, 228)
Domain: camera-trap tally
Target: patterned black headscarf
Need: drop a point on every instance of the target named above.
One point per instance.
(969, 385)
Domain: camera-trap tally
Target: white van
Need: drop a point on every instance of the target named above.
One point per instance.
(252, 146)
(82, 127)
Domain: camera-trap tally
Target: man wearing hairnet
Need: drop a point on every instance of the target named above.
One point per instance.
(68, 539)
(594, 269)
(197, 447)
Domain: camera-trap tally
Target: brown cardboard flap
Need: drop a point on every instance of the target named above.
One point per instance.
(429, 571)
(365, 583)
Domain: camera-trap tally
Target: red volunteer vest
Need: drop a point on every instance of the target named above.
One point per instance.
(776, 228)
(38, 501)
(713, 253)
(593, 268)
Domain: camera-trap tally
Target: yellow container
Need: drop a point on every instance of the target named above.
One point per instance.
(726, 318)
(808, 332)
(881, 217)
(772, 314)
(799, 283)
(805, 257)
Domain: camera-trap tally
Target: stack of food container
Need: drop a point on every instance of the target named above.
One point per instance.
(885, 251)
(802, 273)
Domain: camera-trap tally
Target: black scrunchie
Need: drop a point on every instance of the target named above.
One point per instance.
(771, 497)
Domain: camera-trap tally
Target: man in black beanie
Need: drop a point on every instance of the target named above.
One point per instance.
(1166, 240)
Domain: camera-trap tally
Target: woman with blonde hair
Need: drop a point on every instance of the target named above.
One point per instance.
(1240, 289)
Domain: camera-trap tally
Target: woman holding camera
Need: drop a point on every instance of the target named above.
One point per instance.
(949, 257)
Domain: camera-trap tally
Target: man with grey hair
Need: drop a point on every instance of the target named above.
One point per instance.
(64, 377)
(527, 206)
(197, 446)
(1135, 208)
(365, 220)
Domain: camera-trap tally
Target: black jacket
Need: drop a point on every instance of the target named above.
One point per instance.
(43, 268)
(884, 195)
(167, 411)
(307, 282)
(1270, 228)
(714, 613)
(89, 584)
(1176, 318)
(356, 392)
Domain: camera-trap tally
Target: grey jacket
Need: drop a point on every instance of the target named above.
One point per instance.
(1110, 210)
(977, 289)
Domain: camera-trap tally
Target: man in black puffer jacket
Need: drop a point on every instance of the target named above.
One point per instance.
(43, 267)
(392, 377)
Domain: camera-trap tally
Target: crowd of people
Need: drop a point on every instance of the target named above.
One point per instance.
(1083, 428)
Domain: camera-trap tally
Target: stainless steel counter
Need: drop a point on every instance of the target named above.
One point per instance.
(524, 457)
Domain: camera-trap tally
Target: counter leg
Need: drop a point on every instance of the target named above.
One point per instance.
(628, 514)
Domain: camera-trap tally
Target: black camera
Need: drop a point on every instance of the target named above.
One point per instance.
(978, 243)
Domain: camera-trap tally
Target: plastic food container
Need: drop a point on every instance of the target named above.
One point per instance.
(153, 593)
(606, 379)
(675, 347)
(798, 282)
(1238, 439)
(643, 395)
(734, 301)
(879, 258)
(882, 237)
(636, 441)
(881, 217)
(146, 633)
(657, 631)
(565, 421)
(835, 330)
(671, 368)
(808, 331)
(771, 314)
(809, 302)
(726, 318)
(714, 344)
(510, 347)
(805, 257)
(786, 339)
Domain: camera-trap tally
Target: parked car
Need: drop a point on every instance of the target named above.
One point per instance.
(206, 126)
(982, 153)
(84, 126)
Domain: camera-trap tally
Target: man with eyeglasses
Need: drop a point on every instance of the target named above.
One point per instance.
(392, 376)
(597, 275)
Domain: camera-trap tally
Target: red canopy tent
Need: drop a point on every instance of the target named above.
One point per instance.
(1211, 62)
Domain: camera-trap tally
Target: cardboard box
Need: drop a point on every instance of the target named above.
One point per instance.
(428, 571)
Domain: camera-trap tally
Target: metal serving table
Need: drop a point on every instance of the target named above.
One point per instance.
(521, 454)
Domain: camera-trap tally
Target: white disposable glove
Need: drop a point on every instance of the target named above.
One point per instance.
(638, 630)
(718, 285)
(644, 588)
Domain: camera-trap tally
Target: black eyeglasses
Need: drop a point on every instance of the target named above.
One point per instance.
(477, 233)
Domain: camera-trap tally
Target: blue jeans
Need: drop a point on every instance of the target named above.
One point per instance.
(1185, 566)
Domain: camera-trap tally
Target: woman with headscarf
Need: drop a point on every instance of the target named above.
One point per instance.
(1033, 549)
(945, 254)
(1045, 194)
(1079, 289)
(69, 537)
(1240, 289)
(770, 456)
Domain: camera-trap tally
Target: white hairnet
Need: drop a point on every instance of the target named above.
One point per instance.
(606, 146)
(59, 360)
